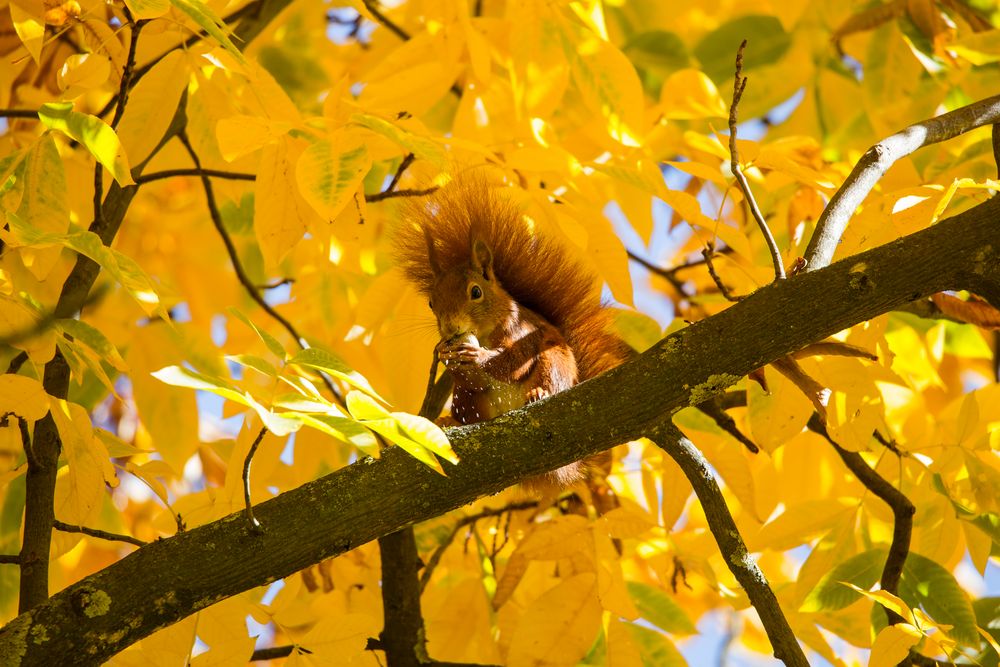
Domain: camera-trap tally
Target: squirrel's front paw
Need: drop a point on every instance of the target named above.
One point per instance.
(537, 394)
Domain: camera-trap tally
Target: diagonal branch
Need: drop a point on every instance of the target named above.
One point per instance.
(727, 536)
(877, 160)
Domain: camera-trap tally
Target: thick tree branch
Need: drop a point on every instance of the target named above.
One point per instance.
(877, 160)
(727, 536)
(143, 592)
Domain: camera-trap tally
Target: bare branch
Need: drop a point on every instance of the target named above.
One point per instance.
(877, 160)
(214, 173)
(389, 194)
(100, 534)
(739, 84)
(372, 7)
(707, 253)
(902, 513)
(19, 113)
(727, 536)
(248, 512)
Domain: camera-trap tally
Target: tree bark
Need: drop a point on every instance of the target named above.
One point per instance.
(169, 579)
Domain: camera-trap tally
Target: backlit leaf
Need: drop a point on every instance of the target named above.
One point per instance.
(95, 135)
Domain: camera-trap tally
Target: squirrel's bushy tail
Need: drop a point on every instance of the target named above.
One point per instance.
(536, 270)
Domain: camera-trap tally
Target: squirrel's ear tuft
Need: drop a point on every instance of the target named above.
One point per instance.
(482, 258)
(432, 259)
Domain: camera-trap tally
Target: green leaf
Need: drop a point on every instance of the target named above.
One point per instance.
(655, 649)
(344, 429)
(93, 133)
(426, 433)
(391, 431)
(932, 587)
(659, 609)
(179, 376)
(270, 341)
(327, 362)
(362, 406)
(210, 22)
(422, 147)
(830, 594)
(658, 49)
(148, 9)
(93, 339)
(767, 42)
(257, 363)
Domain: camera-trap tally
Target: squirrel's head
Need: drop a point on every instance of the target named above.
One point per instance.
(468, 298)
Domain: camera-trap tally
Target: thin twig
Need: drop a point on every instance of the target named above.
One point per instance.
(403, 166)
(10, 559)
(389, 194)
(254, 524)
(670, 275)
(739, 84)
(432, 562)
(22, 425)
(134, 29)
(708, 253)
(19, 113)
(373, 9)
(214, 173)
(241, 274)
(100, 534)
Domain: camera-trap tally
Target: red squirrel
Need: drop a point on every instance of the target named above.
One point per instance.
(520, 319)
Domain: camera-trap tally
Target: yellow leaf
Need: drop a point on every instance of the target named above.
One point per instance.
(611, 589)
(610, 86)
(44, 203)
(676, 491)
(779, 415)
(23, 396)
(96, 135)
(80, 485)
(884, 598)
(83, 71)
(622, 651)
(799, 523)
(242, 135)
(29, 24)
(627, 522)
(559, 538)
(559, 627)
(338, 639)
(731, 463)
(152, 103)
(169, 414)
(16, 318)
(893, 644)
(329, 172)
(148, 9)
(281, 215)
(690, 94)
(514, 571)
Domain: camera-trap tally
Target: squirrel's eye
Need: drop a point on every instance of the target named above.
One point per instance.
(476, 292)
